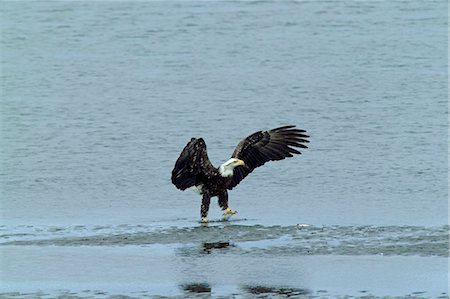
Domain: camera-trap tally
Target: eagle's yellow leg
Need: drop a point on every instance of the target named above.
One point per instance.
(227, 213)
(204, 219)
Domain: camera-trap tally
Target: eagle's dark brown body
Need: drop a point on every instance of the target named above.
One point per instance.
(194, 169)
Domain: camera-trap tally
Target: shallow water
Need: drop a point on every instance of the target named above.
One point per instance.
(225, 259)
(99, 98)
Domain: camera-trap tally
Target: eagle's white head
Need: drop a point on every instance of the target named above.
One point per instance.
(226, 169)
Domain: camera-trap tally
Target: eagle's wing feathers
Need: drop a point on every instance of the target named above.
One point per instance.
(261, 147)
(193, 166)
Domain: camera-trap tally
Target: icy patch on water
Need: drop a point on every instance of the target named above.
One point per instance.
(287, 240)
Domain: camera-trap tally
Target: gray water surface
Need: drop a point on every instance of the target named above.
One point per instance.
(99, 98)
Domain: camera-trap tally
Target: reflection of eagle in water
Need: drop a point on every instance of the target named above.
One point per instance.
(193, 168)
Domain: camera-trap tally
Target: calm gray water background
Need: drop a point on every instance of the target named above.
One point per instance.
(99, 98)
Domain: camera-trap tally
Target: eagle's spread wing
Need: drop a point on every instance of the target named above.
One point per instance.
(261, 147)
(193, 165)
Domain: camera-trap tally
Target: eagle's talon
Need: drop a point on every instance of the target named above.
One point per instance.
(229, 211)
(204, 220)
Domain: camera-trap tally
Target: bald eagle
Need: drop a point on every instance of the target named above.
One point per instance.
(194, 170)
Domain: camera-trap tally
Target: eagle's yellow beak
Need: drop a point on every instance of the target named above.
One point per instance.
(239, 163)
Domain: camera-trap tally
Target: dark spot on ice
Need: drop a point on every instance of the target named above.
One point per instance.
(197, 288)
(270, 290)
(208, 246)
